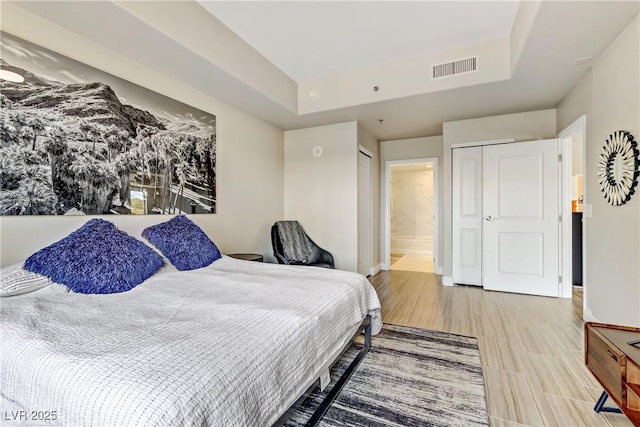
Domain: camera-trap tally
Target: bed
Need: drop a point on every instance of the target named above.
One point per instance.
(235, 343)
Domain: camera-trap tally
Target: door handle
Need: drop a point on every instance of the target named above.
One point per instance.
(490, 218)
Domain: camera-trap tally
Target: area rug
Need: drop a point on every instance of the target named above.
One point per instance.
(410, 377)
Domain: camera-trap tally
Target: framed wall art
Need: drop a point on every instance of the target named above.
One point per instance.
(76, 140)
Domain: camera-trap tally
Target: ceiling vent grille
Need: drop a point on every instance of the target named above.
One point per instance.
(461, 66)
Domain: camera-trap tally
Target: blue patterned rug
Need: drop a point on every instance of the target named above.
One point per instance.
(411, 377)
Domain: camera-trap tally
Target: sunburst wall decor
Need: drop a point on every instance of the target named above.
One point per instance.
(618, 168)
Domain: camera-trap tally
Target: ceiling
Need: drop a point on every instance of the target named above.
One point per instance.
(256, 56)
(335, 37)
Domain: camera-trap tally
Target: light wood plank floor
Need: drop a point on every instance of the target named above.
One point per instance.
(531, 347)
(413, 262)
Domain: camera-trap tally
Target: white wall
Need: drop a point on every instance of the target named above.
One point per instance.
(578, 102)
(610, 96)
(250, 161)
(322, 192)
(521, 126)
(408, 149)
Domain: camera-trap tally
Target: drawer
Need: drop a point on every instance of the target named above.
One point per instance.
(633, 396)
(606, 362)
(633, 386)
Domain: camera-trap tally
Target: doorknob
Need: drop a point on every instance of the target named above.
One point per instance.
(490, 218)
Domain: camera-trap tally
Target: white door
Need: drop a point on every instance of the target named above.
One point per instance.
(520, 210)
(467, 216)
(364, 214)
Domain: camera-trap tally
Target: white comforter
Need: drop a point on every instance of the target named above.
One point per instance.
(223, 345)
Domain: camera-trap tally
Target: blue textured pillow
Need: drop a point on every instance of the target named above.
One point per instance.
(97, 258)
(183, 242)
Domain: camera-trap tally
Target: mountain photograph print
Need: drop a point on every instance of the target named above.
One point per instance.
(75, 140)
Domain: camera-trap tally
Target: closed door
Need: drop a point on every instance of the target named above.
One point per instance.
(364, 214)
(467, 216)
(520, 199)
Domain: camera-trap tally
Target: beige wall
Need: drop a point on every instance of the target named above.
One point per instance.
(368, 141)
(322, 192)
(250, 158)
(521, 126)
(408, 149)
(577, 103)
(610, 96)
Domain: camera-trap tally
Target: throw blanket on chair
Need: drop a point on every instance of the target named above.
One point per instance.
(296, 245)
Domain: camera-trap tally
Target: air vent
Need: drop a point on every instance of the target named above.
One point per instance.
(461, 66)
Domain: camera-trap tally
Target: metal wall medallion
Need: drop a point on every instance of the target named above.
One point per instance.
(618, 168)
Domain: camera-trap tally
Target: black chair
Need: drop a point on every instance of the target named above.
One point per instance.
(291, 245)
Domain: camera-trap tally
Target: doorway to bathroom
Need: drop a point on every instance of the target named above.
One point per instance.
(412, 213)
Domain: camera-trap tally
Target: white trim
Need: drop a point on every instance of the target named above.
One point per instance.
(565, 268)
(385, 250)
(384, 266)
(447, 281)
(487, 142)
(374, 270)
(588, 316)
(439, 270)
(366, 152)
(566, 261)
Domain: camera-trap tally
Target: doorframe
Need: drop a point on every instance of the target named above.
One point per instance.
(369, 154)
(386, 249)
(566, 261)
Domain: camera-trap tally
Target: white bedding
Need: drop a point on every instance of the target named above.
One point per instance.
(224, 345)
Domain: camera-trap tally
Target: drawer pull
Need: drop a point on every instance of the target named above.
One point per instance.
(613, 356)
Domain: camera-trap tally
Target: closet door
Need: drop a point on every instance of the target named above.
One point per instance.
(467, 216)
(520, 224)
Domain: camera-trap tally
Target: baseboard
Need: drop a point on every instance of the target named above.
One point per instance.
(375, 270)
(412, 252)
(447, 281)
(384, 266)
(439, 270)
(587, 316)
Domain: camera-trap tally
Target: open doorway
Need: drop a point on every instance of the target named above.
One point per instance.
(572, 140)
(412, 213)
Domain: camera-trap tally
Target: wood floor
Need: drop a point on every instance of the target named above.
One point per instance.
(531, 347)
(413, 262)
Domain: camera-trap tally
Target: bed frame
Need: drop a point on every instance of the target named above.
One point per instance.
(340, 383)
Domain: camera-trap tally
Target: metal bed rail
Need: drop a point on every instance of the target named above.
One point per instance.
(324, 406)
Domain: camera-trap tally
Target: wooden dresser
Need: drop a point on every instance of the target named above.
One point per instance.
(616, 365)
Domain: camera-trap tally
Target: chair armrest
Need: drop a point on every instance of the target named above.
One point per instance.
(326, 257)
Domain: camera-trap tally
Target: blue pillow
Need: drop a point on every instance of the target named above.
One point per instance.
(183, 242)
(97, 258)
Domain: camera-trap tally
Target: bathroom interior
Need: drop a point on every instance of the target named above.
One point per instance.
(412, 216)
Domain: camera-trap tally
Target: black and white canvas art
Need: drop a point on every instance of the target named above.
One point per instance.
(75, 140)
